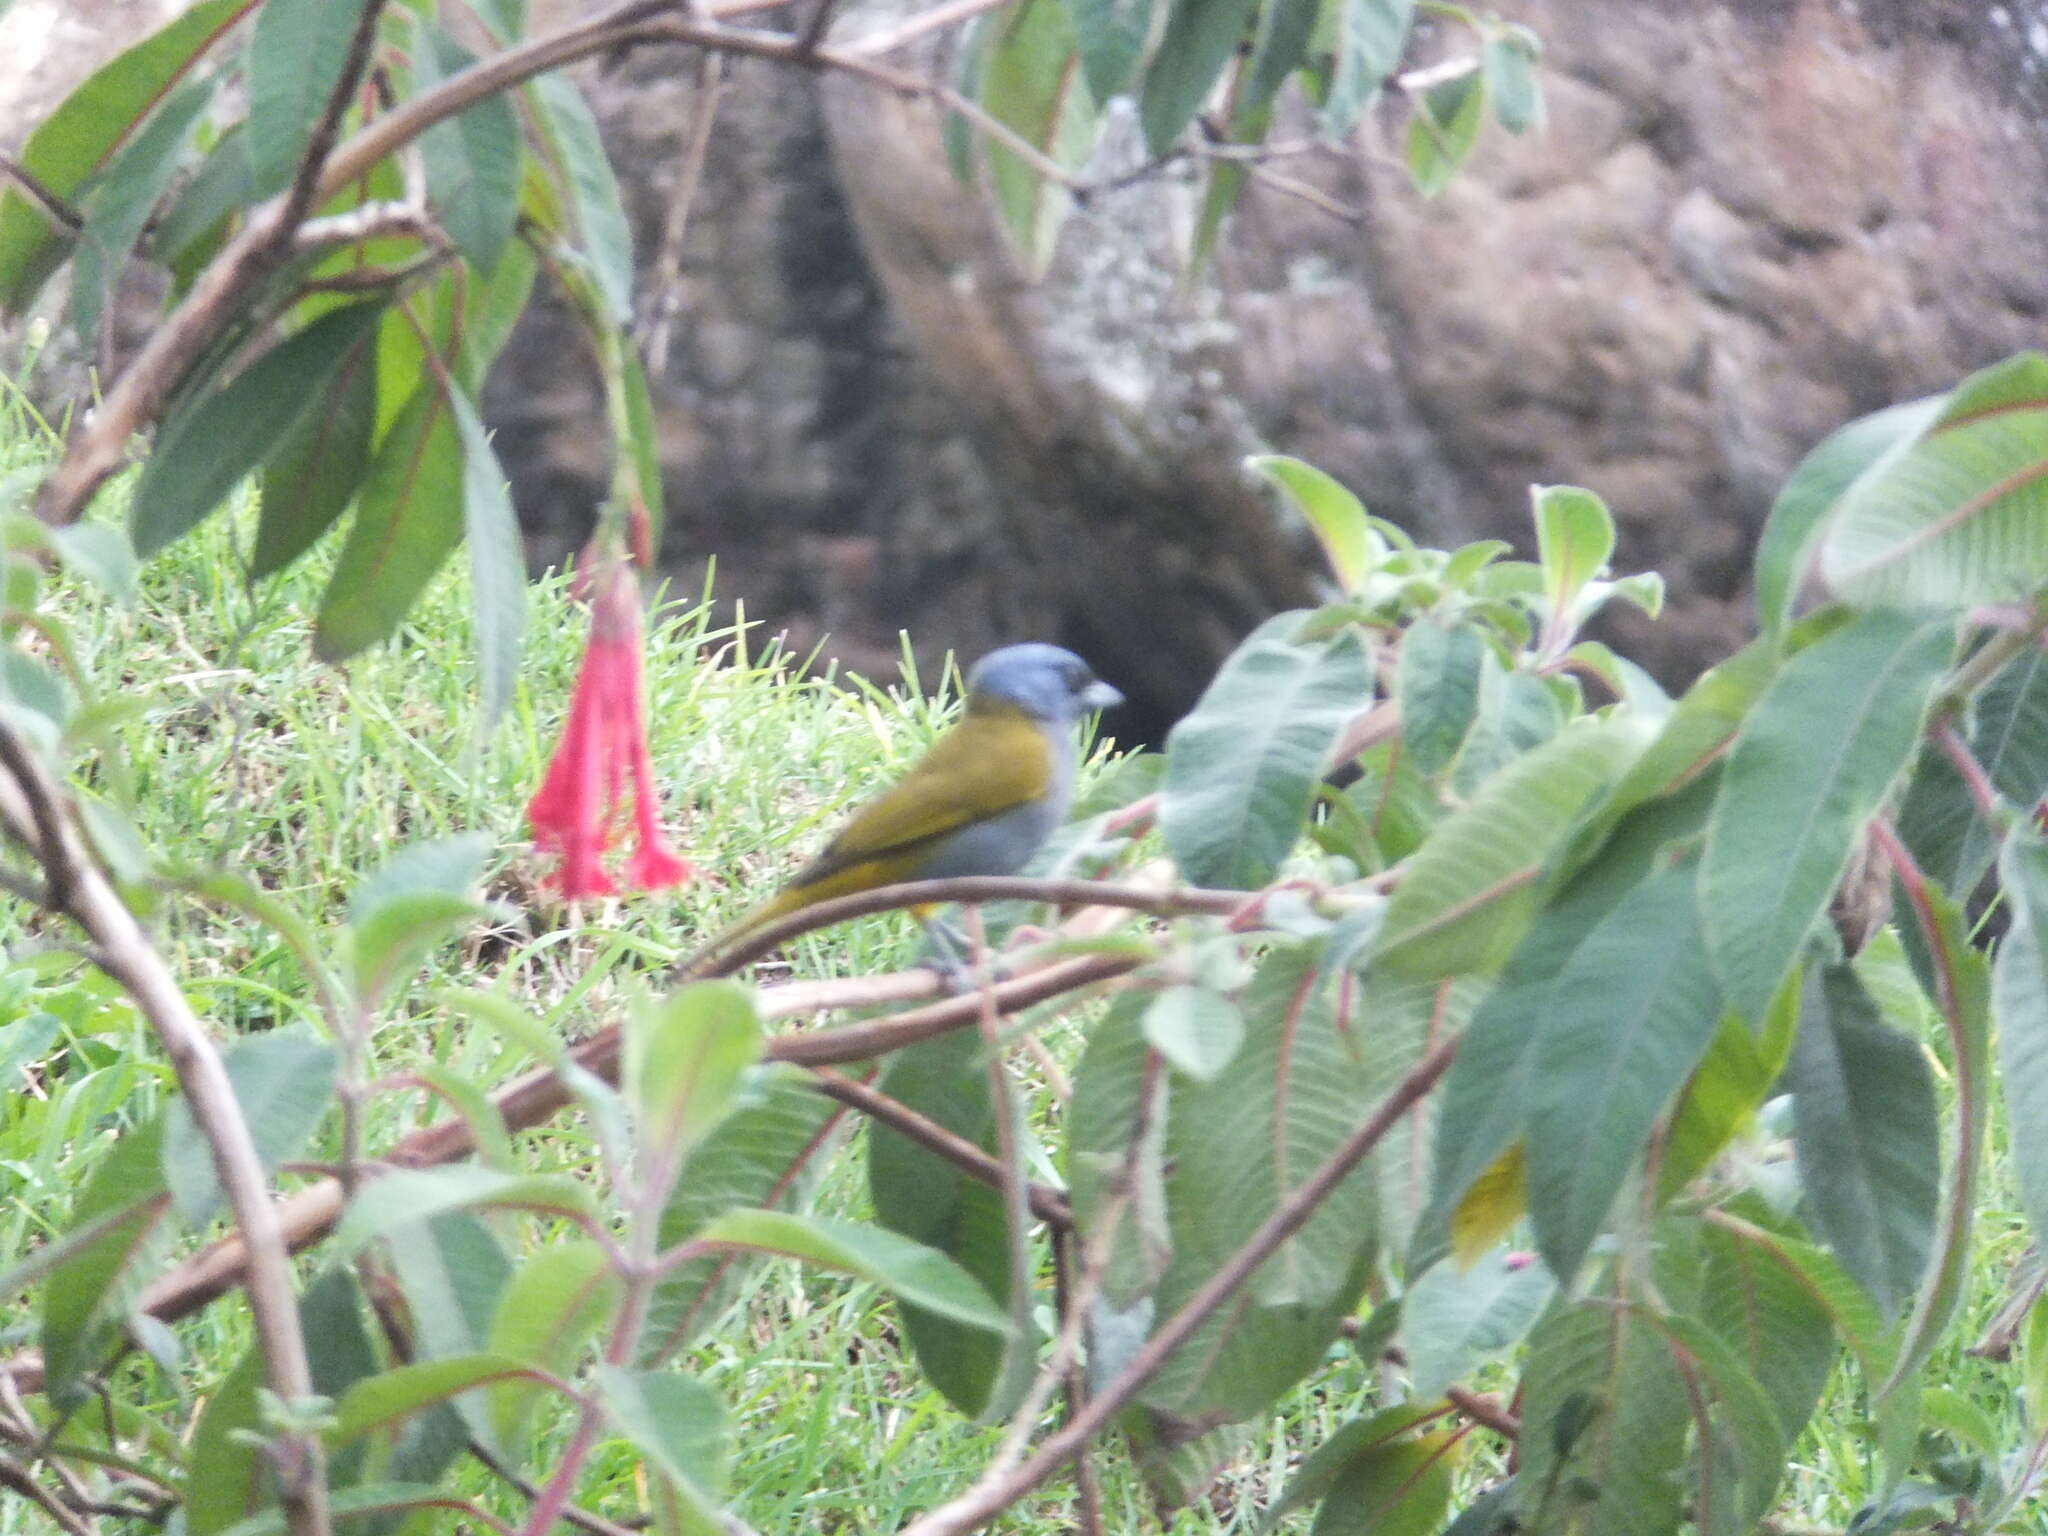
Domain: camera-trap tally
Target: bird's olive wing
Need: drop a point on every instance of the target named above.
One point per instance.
(987, 764)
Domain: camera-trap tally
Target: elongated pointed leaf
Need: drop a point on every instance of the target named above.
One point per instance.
(1033, 82)
(1308, 1072)
(497, 566)
(558, 1298)
(1824, 476)
(1795, 798)
(577, 161)
(685, 1058)
(472, 159)
(296, 54)
(120, 199)
(1111, 35)
(311, 476)
(906, 1269)
(2020, 1002)
(1441, 668)
(1453, 1320)
(1198, 43)
(1446, 123)
(1472, 887)
(767, 1152)
(85, 131)
(85, 1300)
(380, 1404)
(1867, 1133)
(1102, 1121)
(282, 1081)
(1349, 542)
(681, 1426)
(2008, 736)
(1961, 516)
(1782, 1335)
(1739, 1446)
(923, 1197)
(408, 520)
(206, 451)
(1370, 35)
(1241, 769)
(228, 1475)
(1575, 537)
(1380, 1476)
(1639, 1005)
(1197, 1030)
(414, 1194)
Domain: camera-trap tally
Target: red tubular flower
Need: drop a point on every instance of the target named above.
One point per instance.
(576, 810)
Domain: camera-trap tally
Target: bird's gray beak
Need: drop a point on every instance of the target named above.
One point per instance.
(1099, 695)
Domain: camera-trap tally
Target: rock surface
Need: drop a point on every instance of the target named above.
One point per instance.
(1748, 221)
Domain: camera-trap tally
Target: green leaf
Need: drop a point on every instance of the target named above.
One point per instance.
(1824, 476)
(1313, 1065)
(1964, 986)
(1338, 518)
(297, 51)
(1103, 1120)
(685, 1058)
(578, 163)
(1196, 1029)
(926, 1199)
(1763, 1311)
(1794, 799)
(410, 904)
(1512, 56)
(1438, 687)
(1739, 1447)
(452, 1270)
(227, 1477)
(207, 449)
(472, 159)
(1604, 1423)
(497, 566)
(85, 1299)
(118, 200)
(1961, 515)
(189, 231)
(1369, 40)
(643, 446)
(282, 1081)
(908, 1270)
(1517, 713)
(1198, 43)
(1111, 35)
(1574, 540)
(311, 476)
(1867, 1133)
(1241, 769)
(339, 1351)
(1454, 1319)
(1033, 82)
(379, 1404)
(1471, 888)
(415, 1194)
(768, 1151)
(1445, 126)
(84, 132)
(1486, 1094)
(2008, 736)
(1286, 28)
(1377, 1475)
(1733, 1080)
(681, 1426)
(558, 1298)
(2020, 1004)
(408, 519)
(1638, 1007)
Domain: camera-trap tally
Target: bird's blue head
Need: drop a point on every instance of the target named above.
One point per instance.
(1047, 683)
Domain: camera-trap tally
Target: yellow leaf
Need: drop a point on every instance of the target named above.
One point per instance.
(1495, 1202)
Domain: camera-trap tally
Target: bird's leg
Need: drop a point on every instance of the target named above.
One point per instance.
(952, 955)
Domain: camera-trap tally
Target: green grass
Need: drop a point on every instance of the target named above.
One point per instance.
(235, 749)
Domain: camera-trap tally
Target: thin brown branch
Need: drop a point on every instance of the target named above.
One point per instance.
(369, 221)
(133, 962)
(1983, 794)
(15, 1476)
(1047, 1204)
(991, 1495)
(668, 264)
(40, 196)
(769, 937)
(303, 195)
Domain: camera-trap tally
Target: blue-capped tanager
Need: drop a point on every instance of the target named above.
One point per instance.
(981, 801)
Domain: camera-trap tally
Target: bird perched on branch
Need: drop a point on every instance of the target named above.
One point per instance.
(982, 801)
